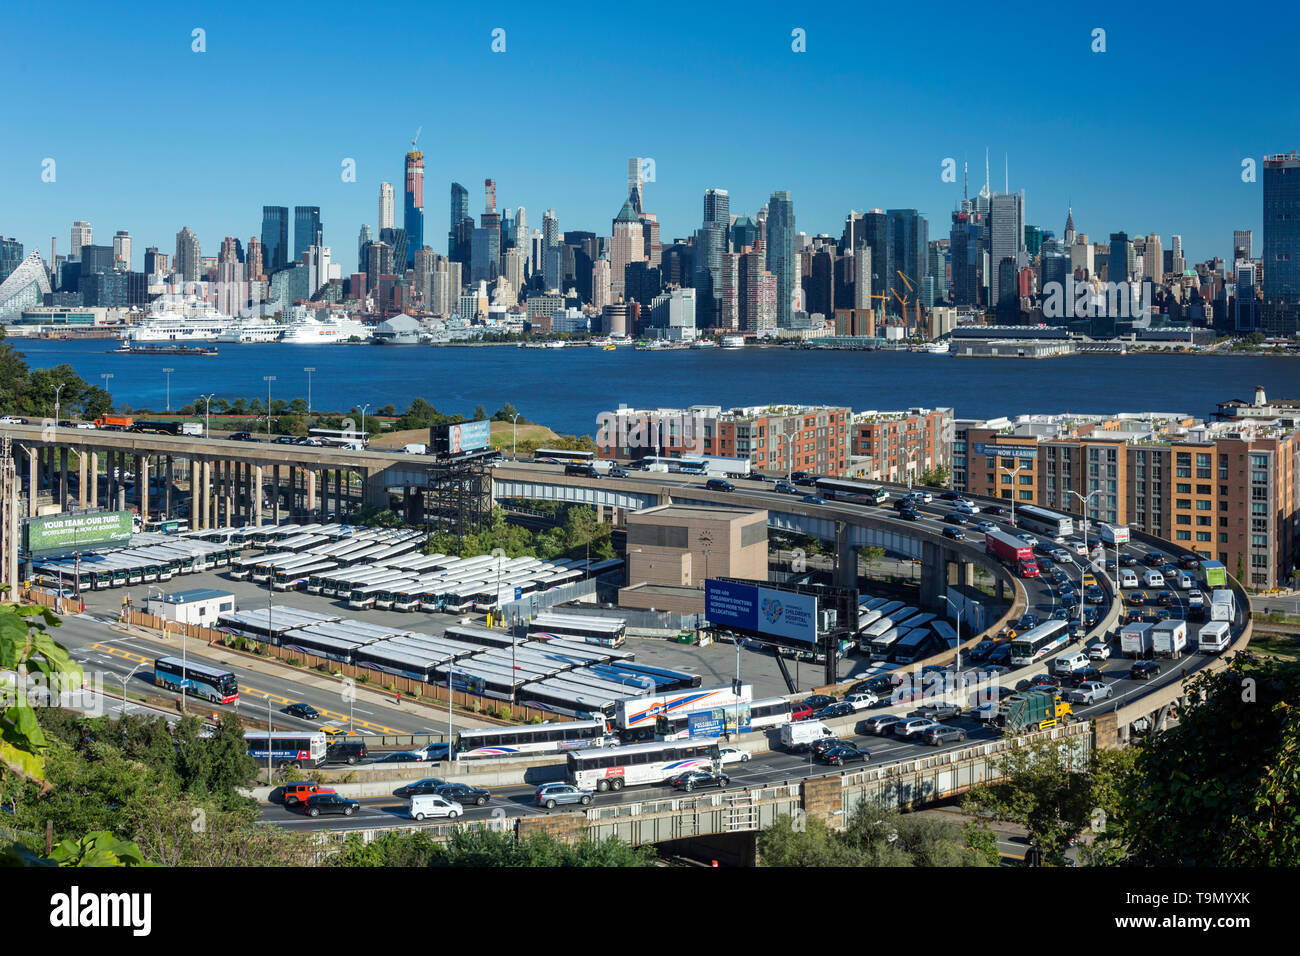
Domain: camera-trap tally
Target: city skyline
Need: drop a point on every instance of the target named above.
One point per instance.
(869, 161)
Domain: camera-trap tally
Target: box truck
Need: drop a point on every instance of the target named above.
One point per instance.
(1135, 639)
(1223, 606)
(1169, 638)
(798, 737)
(1114, 534)
(1214, 637)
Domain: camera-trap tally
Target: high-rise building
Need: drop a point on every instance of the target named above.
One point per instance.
(385, 206)
(1245, 306)
(1153, 259)
(413, 221)
(187, 255)
(600, 283)
(459, 236)
(485, 252)
(379, 262)
(1069, 227)
(1006, 240)
(397, 239)
(253, 268)
(519, 236)
(275, 238)
(82, 235)
(364, 238)
(11, 257)
(1242, 240)
(1281, 258)
(1179, 264)
(780, 243)
(635, 184)
(96, 259)
(122, 251)
(627, 245)
(911, 236)
(155, 262)
(306, 229)
(757, 294)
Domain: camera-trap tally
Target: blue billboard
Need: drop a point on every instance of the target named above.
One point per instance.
(460, 438)
(751, 607)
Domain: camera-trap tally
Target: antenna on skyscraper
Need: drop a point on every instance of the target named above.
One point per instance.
(1006, 183)
(965, 179)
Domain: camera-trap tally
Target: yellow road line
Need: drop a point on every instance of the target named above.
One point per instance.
(118, 652)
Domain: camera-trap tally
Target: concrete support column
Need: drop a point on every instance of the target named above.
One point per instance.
(846, 557)
(142, 482)
(63, 478)
(966, 573)
(32, 480)
(934, 573)
(83, 496)
(311, 489)
(194, 494)
(374, 494)
(275, 493)
(167, 486)
(204, 500)
(257, 495)
(110, 478)
(228, 490)
(94, 479)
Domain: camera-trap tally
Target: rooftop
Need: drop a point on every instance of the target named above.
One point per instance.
(196, 594)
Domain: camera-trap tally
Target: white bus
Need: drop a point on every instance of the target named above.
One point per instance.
(613, 768)
(1038, 642)
(542, 738)
(296, 748)
(947, 633)
(639, 714)
(605, 631)
(340, 437)
(1058, 527)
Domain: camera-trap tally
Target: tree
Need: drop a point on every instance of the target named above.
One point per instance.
(480, 413)
(877, 836)
(298, 406)
(194, 831)
(1219, 788)
(508, 413)
(25, 643)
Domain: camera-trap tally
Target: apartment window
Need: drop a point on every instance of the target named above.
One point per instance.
(1006, 492)
(1259, 461)
(1026, 479)
(1203, 465)
(1204, 520)
(1259, 477)
(1184, 488)
(1259, 494)
(1184, 465)
(1205, 506)
(1183, 519)
(1258, 508)
(1026, 496)
(1202, 536)
(1183, 503)
(1112, 487)
(1006, 479)
(1223, 522)
(1259, 541)
(1223, 491)
(1223, 471)
(1204, 490)
(1258, 524)
(1223, 538)
(1183, 536)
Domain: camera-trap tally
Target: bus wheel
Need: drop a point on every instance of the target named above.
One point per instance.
(602, 785)
(617, 783)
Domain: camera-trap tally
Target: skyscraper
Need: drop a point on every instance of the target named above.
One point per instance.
(520, 234)
(364, 238)
(414, 212)
(11, 257)
(82, 235)
(275, 238)
(1179, 264)
(1281, 257)
(1153, 259)
(626, 246)
(385, 206)
(187, 255)
(458, 238)
(635, 185)
(1242, 242)
(253, 262)
(1006, 239)
(911, 236)
(122, 251)
(306, 229)
(1119, 266)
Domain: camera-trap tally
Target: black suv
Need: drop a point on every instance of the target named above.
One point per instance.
(844, 753)
(241, 436)
(347, 751)
(719, 484)
(587, 471)
(319, 803)
(464, 794)
(1144, 670)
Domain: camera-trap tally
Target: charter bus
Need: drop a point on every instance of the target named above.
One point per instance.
(1036, 643)
(320, 645)
(340, 437)
(605, 631)
(854, 492)
(1058, 527)
(402, 660)
(265, 571)
(61, 575)
(460, 598)
(495, 681)
(560, 456)
(772, 712)
(916, 620)
(913, 645)
(613, 768)
(542, 738)
(946, 632)
(684, 466)
(198, 680)
(664, 678)
(639, 713)
(366, 595)
(290, 579)
(881, 646)
(602, 567)
(564, 697)
(298, 749)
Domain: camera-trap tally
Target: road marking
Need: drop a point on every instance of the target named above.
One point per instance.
(332, 715)
(118, 652)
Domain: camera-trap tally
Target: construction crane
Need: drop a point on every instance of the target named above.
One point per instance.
(416, 137)
(902, 302)
(918, 301)
(883, 299)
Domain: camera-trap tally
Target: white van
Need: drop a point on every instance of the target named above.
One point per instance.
(1185, 582)
(1127, 579)
(431, 805)
(1070, 663)
(191, 428)
(796, 737)
(1153, 578)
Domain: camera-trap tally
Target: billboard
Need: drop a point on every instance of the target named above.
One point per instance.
(717, 721)
(458, 439)
(77, 532)
(751, 607)
(1006, 451)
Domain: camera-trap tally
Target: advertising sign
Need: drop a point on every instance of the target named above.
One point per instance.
(750, 607)
(728, 719)
(458, 439)
(1005, 451)
(707, 723)
(467, 683)
(67, 533)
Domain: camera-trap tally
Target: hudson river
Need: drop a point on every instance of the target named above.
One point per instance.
(566, 388)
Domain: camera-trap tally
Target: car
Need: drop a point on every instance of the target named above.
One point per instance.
(818, 701)
(1195, 598)
(785, 488)
(434, 805)
(1000, 656)
(1164, 613)
(941, 711)
(1154, 558)
(880, 684)
(330, 732)
(795, 475)
(618, 472)
(800, 711)
(954, 518)
(1027, 622)
(923, 496)
(881, 723)
(241, 436)
(911, 726)
(813, 500)
(1091, 616)
(909, 514)
(12, 420)
(1143, 670)
(427, 785)
(963, 501)
(733, 755)
(1164, 598)
(1098, 651)
(1082, 676)
(1188, 563)
(437, 752)
(719, 484)
(1088, 579)
(1059, 576)
(825, 743)
(987, 526)
(845, 753)
(861, 700)
(549, 795)
(346, 751)
(1045, 680)
(806, 480)
(1127, 560)
(330, 803)
(1078, 547)
(305, 711)
(285, 440)
(1170, 570)
(943, 734)
(1095, 595)
(1136, 597)
(966, 510)
(1090, 692)
(1060, 614)
(1037, 545)
(950, 495)
(995, 510)
(310, 442)
(1060, 556)
(840, 708)
(955, 533)
(1111, 565)
(292, 794)
(981, 651)
(464, 793)
(699, 780)
(402, 756)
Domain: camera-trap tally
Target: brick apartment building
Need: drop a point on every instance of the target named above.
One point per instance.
(891, 446)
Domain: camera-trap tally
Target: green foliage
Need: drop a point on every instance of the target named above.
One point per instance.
(194, 831)
(935, 478)
(420, 414)
(371, 517)
(876, 836)
(474, 846)
(1219, 789)
(24, 641)
(579, 534)
(507, 413)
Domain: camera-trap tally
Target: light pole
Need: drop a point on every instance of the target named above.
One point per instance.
(1015, 491)
(309, 371)
(1083, 566)
(122, 712)
(363, 417)
(185, 675)
(168, 372)
(789, 464)
(269, 733)
(57, 389)
(956, 671)
(268, 379)
(106, 376)
(514, 438)
(207, 412)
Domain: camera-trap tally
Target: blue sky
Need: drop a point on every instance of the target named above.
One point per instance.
(149, 136)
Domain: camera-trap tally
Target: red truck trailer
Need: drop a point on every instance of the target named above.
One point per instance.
(1012, 551)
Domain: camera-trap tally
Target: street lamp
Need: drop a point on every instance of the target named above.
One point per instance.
(268, 379)
(207, 412)
(1083, 566)
(168, 372)
(514, 438)
(106, 376)
(122, 712)
(789, 464)
(57, 389)
(309, 371)
(363, 419)
(1015, 491)
(956, 670)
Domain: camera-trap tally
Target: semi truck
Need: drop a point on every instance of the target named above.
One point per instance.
(1032, 710)
(1135, 639)
(1169, 638)
(114, 421)
(1223, 606)
(1012, 551)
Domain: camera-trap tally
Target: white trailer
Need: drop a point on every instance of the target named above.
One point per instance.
(1169, 638)
(1135, 639)
(1223, 605)
(1214, 637)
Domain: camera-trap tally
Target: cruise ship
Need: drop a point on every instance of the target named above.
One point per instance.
(252, 331)
(308, 328)
(194, 322)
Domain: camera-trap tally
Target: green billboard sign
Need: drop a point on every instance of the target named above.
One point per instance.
(77, 532)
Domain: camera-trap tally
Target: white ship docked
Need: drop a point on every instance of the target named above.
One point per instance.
(191, 322)
(306, 327)
(733, 341)
(252, 331)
